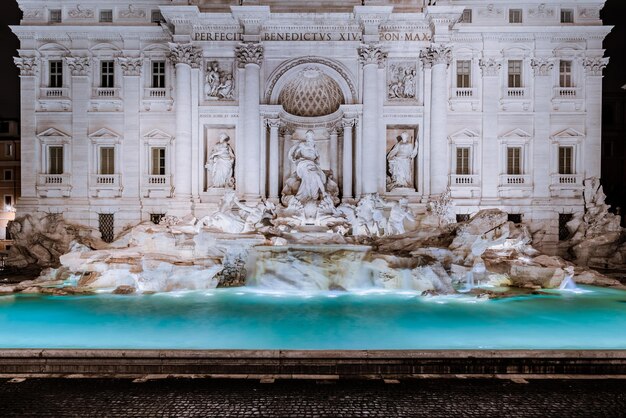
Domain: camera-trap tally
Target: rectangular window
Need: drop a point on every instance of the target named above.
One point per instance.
(158, 74)
(55, 163)
(462, 161)
(463, 74)
(106, 16)
(8, 175)
(4, 127)
(466, 17)
(107, 160)
(566, 160)
(8, 150)
(567, 16)
(56, 73)
(513, 160)
(515, 15)
(106, 224)
(156, 16)
(8, 200)
(54, 16)
(515, 73)
(158, 161)
(565, 74)
(107, 74)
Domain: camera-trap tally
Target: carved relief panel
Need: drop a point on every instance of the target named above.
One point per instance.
(401, 80)
(219, 80)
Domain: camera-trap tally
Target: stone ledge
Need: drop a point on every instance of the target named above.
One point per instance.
(296, 364)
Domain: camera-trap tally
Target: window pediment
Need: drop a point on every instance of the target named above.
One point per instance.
(464, 136)
(105, 135)
(53, 136)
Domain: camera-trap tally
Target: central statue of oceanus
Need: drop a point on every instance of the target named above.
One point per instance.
(308, 182)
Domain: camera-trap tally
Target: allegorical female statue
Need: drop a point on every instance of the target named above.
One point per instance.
(305, 157)
(400, 160)
(220, 163)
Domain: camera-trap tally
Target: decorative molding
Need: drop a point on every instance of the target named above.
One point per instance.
(130, 66)
(32, 14)
(185, 54)
(27, 65)
(249, 53)
(490, 67)
(594, 66)
(542, 66)
(491, 11)
(541, 11)
(79, 66)
(589, 12)
(372, 54)
(273, 123)
(435, 55)
(284, 68)
(132, 13)
(79, 13)
(349, 122)
(104, 135)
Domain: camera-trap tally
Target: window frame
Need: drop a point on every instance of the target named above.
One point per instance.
(514, 14)
(510, 168)
(55, 74)
(102, 18)
(464, 78)
(107, 75)
(158, 75)
(466, 169)
(162, 166)
(104, 169)
(566, 167)
(466, 16)
(566, 78)
(55, 16)
(517, 78)
(11, 174)
(564, 13)
(55, 169)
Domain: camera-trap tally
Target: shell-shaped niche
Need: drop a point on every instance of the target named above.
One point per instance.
(311, 93)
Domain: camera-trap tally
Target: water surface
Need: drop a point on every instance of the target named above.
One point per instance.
(248, 319)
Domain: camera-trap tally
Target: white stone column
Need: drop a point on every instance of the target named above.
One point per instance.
(542, 167)
(371, 56)
(592, 151)
(184, 56)
(438, 58)
(274, 162)
(250, 57)
(81, 91)
(29, 144)
(490, 148)
(347, 169)
(131, 148)
(333, 152)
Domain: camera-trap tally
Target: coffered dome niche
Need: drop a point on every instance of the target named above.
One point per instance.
(311, 93)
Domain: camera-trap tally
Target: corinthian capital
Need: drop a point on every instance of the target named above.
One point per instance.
(436, 54)
(130, 66)
(490, 67)
(249, 53)
(372, 54)
(27, 65)
(79, 66)
(542, 66)
(595, 65)
(185, 54)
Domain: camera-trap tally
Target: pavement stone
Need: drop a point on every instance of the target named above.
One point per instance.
(309, 399)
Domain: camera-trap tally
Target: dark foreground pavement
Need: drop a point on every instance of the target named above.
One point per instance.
(238, 398)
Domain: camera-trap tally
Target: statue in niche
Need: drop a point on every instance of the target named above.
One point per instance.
(308, 183)
(220, 163)
(400, 162)
(219, 84)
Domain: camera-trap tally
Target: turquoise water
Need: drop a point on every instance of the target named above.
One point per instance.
(246, 319)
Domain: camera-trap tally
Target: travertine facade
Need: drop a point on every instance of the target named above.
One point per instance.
(122, 104)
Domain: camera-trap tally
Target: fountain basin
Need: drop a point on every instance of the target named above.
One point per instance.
(252, 319)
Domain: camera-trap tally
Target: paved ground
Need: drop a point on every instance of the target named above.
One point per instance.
(232, 398)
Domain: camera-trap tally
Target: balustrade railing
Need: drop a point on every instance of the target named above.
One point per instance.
(515, 180)
(516, 92)
(106, 92)
(459, 180)
(53, 92)
(156, 93)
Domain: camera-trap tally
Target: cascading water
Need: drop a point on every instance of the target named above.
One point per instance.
(569, 284)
